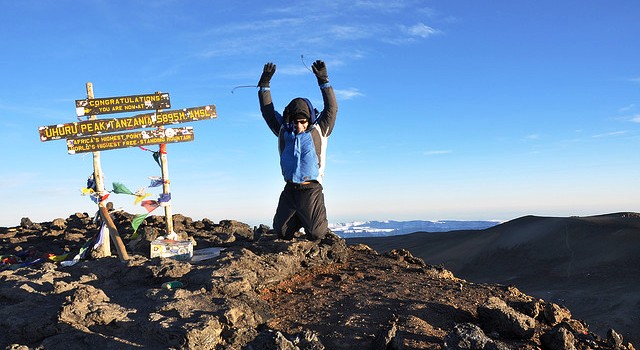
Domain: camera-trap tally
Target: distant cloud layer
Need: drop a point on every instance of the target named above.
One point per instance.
(340, 26)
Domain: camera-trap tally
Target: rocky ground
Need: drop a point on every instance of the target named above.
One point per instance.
(589, 264)
(259, 293)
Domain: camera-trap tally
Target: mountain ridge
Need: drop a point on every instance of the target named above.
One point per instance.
(587, 263)
(377, 228)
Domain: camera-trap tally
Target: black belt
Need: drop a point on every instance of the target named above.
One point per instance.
(302, 186)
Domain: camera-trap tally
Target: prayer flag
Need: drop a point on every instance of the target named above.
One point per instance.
(97, 198)
(119, 188)
(156, 157)
(156, 181)
(164, 199)
(135, 223)
(58, 258)
(101, 236)
(86, 191)
(91, 183)
(140, 197)
(150, 205)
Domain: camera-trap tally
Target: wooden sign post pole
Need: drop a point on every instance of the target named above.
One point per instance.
(98, 178)
(113, 233)
(166, 188)
(164, 164)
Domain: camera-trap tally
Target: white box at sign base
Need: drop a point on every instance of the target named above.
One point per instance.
(169, 248)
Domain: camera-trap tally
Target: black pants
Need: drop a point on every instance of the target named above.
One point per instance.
(301, 206)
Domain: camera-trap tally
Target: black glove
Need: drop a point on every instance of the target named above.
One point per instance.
(320, 70)
(267, 73)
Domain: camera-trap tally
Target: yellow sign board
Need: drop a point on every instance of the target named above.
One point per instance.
(103, 142)
(141, 121)
(108, 105)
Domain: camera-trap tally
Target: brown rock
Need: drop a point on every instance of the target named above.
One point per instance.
(496, 316)
(558, 338)
(466, 336)
(555, 314)
(58, 224)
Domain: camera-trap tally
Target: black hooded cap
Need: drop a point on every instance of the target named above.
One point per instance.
(298, 108)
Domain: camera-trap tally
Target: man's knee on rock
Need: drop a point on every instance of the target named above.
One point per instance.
(316, 235)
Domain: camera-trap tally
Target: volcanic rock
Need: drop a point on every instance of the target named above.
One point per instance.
(260, 292)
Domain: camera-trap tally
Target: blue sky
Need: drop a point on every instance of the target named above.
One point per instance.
(447, 109)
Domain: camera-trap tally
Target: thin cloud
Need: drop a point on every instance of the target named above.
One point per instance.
(532, 137)
(262, 26)
(293, 70)
(30, 111)
(437, 152)
(421, 30)
(342, 32)
(611, 134)
(410, 34)
(348, 94)
(635, 118)
(627, 108)
(369, 20)
(16, 180)
(381, 6)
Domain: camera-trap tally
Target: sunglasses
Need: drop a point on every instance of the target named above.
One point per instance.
(301, 121)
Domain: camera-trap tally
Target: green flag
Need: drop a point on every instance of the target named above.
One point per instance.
(119, 188)
(135, 223)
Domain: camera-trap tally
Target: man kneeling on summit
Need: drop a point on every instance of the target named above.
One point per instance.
(302, 141)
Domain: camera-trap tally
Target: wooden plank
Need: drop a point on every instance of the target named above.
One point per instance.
(120, 104)
(130, 139)
(140, 121)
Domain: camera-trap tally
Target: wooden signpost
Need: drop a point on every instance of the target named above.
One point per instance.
(95, 135)
(150, 120)
(99, 180)
(103, 142)
(108, 105)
